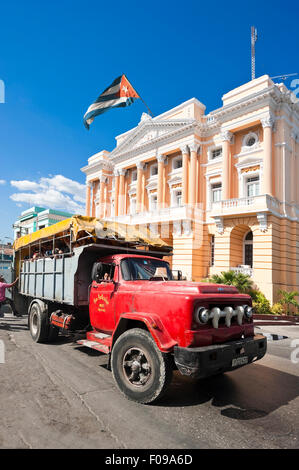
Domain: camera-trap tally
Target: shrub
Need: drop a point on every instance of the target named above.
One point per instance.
(287, 299)
(260, 303)
(277, 309)
(241, 281)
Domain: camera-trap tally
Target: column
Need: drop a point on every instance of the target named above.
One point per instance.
(93, 202)
(293, 168)
(121, 196)
(185, 156)
(160, 159)
(267, 123)
(297, 167)
(116, 192)
(101, 196)
(140, 167)
(193, 180)
(88, 192)
(226, 164)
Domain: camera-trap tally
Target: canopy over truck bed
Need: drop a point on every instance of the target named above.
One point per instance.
(65, 278)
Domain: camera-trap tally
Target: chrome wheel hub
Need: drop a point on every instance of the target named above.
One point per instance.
(136, 367)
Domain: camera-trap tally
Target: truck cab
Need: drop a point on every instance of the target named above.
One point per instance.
(203, 329)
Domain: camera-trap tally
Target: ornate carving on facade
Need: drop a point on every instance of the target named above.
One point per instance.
(219, 224)
(145, 117)
(187, 227)
(177, 228)
(194, 147)
(262, 220)
(250, 168)
(154, 230)
(140, 165)
(121, 171)
(161, 158)
(268, 121)
(185, 149)
(295, 135)
(226, 136)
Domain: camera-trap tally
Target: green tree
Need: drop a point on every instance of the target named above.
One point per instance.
(241, 281)
(288, 298)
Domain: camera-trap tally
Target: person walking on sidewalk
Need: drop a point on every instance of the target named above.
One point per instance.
(3, 299)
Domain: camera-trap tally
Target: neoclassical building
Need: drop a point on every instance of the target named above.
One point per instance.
(221, 188)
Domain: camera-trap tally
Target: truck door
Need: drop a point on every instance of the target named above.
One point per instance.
(102, 297)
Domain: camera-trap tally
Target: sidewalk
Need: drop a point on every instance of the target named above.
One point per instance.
(282, 320)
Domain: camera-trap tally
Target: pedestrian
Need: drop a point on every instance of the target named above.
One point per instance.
(3, 299)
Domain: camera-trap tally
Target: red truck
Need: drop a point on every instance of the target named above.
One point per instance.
(125, 302)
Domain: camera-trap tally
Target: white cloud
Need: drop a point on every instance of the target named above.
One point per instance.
(25, 185)
(54, 192)
(2, 181)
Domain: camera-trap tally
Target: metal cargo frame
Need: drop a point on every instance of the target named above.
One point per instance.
(66, 280)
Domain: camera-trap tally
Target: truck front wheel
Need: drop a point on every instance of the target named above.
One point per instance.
(141, 371)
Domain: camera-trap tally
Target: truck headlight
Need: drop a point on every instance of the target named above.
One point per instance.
(248, 311)
(202, 315)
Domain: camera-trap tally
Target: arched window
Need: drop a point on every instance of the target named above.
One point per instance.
(248, 249)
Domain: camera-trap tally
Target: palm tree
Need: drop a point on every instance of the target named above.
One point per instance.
(288, 298)
(241, 281)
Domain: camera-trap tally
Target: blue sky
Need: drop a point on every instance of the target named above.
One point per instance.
(57, 57)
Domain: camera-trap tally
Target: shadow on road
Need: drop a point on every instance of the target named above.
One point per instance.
(245, 394)
(13, 324)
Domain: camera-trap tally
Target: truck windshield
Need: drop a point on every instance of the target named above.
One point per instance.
(134, 269)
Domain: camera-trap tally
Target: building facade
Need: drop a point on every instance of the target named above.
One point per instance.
(6, 257)
(221, 188)
(35, 218)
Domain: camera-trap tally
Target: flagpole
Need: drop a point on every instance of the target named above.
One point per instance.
(140, 97)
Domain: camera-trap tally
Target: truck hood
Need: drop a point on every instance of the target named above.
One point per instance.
(183, 287)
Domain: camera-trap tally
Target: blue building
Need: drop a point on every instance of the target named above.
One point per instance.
(35, 218)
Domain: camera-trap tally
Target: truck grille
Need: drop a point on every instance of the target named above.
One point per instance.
(222, 314)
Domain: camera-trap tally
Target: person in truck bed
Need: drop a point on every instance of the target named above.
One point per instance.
(3, 299)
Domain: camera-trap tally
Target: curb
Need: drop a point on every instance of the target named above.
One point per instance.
(274, 323)
(271, 337)
(279, 318)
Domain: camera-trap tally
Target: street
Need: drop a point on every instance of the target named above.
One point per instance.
(62, 396)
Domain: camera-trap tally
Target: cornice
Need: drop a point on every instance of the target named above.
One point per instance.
(97, 166)
(187, 128)
(271, 97)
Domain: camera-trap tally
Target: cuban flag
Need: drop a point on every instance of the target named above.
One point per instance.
(119, 94)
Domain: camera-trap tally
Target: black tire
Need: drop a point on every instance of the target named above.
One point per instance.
(140, 370)
(38, 324)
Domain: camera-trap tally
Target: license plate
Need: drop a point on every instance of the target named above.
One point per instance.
(239, 361)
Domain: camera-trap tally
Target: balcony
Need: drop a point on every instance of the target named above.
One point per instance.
(247, 205)
(243, 269)
(163, 215)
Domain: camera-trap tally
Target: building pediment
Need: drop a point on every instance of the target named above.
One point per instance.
(149, 133)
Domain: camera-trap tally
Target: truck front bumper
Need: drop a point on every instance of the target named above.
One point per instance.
(217, 358)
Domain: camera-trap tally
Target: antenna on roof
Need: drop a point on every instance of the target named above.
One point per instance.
(284, 77)
(253, 41)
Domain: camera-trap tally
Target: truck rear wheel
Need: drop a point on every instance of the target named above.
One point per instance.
(38, 324)
(141, 371)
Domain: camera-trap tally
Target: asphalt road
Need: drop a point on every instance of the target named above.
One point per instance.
(62, 396)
